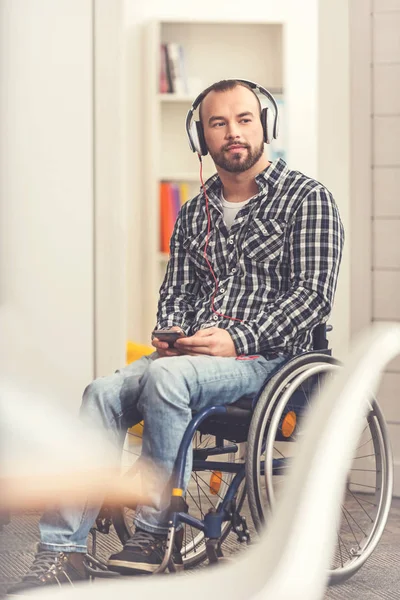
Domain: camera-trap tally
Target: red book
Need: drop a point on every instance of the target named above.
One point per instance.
(166, 215)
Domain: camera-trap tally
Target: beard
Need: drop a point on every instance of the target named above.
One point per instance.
(237, 163)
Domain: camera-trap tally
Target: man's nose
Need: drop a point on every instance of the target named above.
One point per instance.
(232, 130)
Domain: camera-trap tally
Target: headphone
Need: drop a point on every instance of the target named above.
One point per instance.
(269, 118)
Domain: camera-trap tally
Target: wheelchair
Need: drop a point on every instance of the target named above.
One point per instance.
(243, 449)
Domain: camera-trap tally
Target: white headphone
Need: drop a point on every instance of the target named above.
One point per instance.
(269, 118)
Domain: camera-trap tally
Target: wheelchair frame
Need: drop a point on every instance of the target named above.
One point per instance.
(211, 526)
(227, 510)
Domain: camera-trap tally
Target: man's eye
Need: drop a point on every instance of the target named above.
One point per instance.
(218, 124)
(246, 121)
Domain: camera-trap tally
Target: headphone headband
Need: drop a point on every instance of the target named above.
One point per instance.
(195, 130)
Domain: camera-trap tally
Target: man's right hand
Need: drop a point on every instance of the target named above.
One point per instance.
(163, 348)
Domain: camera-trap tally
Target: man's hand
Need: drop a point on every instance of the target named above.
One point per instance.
(212, 341)
(163, 348)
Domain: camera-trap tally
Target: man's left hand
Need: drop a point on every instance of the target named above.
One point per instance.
(212, 342)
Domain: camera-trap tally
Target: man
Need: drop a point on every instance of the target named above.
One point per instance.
(253, 269)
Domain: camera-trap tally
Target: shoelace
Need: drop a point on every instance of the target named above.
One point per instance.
(141, 540)
(44, 561)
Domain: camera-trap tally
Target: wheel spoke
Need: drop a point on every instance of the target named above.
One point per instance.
(367, 499)
(361, 506)
(353, 519)
(365, 456)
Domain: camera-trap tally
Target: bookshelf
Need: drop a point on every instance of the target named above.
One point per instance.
(175, 98)
(212, 51)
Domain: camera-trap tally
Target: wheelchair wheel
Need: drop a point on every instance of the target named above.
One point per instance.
(205, 491)
(276, 426)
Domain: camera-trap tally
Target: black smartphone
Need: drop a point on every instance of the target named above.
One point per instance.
(167, 336)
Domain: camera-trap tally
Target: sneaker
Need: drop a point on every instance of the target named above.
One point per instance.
(49, 568)
(143, 554)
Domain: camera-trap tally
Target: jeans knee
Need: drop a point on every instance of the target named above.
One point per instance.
(91, 392)
(165, 382)
(164, 372)
(94, 398)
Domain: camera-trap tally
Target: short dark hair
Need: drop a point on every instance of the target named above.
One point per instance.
(223, 86)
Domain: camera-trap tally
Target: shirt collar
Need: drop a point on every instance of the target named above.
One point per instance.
(270, 176)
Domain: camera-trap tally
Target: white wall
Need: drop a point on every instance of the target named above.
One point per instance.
(110, 168)
(46, 189)
(375, 119)
(333, 166)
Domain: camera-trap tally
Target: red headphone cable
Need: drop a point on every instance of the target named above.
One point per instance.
(206, 246)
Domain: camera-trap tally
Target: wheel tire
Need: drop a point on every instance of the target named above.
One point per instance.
(268, 413)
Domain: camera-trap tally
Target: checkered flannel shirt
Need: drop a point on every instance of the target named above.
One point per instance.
(276, 267)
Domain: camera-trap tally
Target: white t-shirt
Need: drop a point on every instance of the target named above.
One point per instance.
(231, 209)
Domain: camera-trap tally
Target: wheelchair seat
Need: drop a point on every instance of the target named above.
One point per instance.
(234, 425)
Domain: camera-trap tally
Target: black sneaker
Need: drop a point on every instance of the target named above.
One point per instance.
(49, 568)
(143, 554)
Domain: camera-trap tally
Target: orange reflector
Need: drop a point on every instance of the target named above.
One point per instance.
(215, 482)
(289, 424)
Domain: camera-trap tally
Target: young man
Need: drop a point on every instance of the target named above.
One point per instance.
(253, 269)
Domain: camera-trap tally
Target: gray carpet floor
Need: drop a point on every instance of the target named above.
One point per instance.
(378, 579)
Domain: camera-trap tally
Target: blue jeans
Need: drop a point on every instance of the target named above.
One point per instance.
(163, 392)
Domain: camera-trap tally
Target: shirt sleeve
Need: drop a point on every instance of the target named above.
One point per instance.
(316, 243)
(180, 286)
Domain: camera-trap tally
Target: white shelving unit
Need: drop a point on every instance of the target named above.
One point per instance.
(212, 51)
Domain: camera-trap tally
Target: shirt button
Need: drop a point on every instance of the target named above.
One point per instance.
(233, 270)
(230, 241)
(215, 318)
(222, 290)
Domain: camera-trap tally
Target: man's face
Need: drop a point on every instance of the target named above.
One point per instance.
(232, 129)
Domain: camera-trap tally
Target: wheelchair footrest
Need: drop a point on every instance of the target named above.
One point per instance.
(213, 550)
(239, 526)
(97, 568)
(104, 520)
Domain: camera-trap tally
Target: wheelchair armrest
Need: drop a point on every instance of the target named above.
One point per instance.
(319, 336)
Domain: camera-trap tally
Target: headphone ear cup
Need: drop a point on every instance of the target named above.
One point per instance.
(271, 125)
(276, 126)
(264, 123)
(193, 137)
(202, 141)
(196, 136)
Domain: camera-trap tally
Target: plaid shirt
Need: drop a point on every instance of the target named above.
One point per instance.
(276, 267)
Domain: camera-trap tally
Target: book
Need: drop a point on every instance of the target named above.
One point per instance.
(172, 196)
(176, 201)
(183, 69)
(164, 83)
(184, 192)
(166, 224)
(176, 68)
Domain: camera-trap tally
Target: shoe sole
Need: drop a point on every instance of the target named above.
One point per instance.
(125, 567)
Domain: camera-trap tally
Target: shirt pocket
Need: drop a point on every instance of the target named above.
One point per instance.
(194, 247)
(264, 240)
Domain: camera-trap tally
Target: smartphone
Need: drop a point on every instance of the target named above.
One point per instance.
(167, 336)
